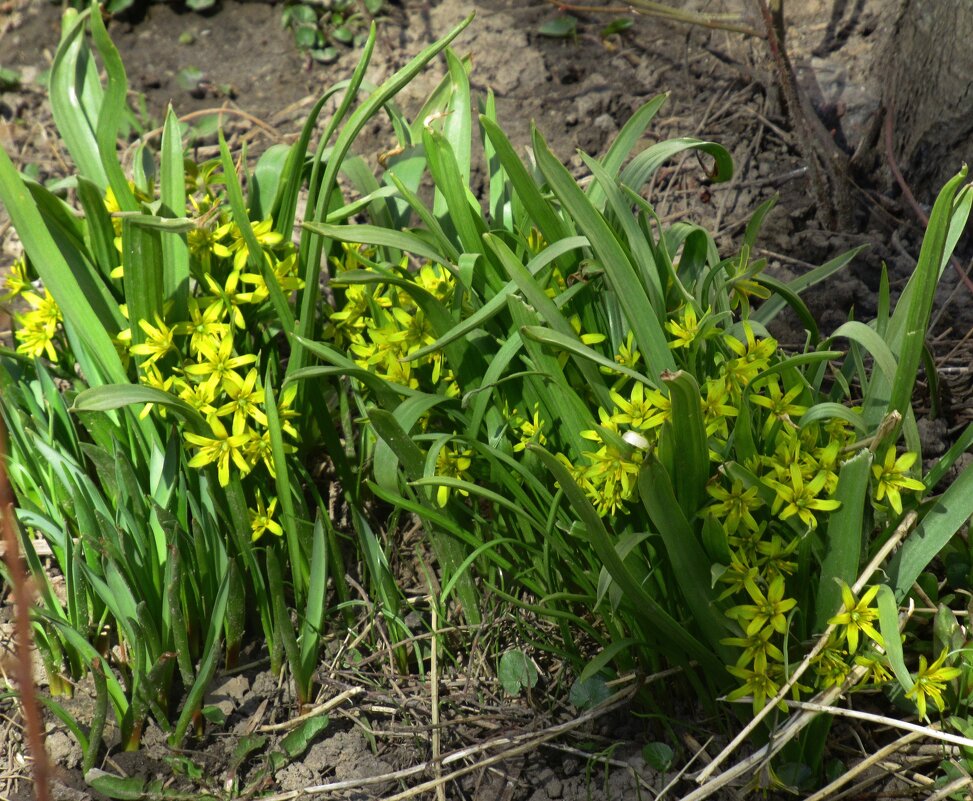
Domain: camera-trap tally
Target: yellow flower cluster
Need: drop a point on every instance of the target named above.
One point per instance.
(382, 326)
(212, 359)
(39, 330)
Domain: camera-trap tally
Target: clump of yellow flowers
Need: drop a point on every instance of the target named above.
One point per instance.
(765, 507)
(213, 358)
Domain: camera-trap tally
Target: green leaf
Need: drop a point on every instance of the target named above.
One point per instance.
(670, 636)
(641, 168)
(944, 516)
(131, 787)
(245, 747)
(9, 80)
(115, 396)
(689, 453)
(627, 138)
(299, 740)
(144, 280)
(538, 208)
(559, 28)
(619, 270)
(684, 552)
(111, 111)
(214, 715)
(457, 125)
(598, 664)
(207, 667)
(516, 672)
(571, 344)
(175, 248)
(74, 90)
(771, 307)
(498, 302)
(588, 693)
(619, 25)
(888, 619)
(547, 309)
(382, 237)
(357, 121)
(313, 623)
(659, 756)
(285, 494)
(452, 192)
(910, 320)
(58, 276)
(842, 556)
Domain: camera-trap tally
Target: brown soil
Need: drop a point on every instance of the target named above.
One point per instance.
(578, 92)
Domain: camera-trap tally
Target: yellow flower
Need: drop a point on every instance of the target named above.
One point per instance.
(831, 666)
(262, 519)
(752, 357)
(286, 411)
(285, 274)
(734, 506)
(228, 298)
(891, 477)
(628, 355)
(644, 410)
(436, 280)
(930, 682)
(857, 616)
(245, 399)
(685, 330)
(452, 463)
(716, 408)
(218, 364)
(766, 610)
(205, 324)
(781, 405)
(757, 648)
(35, 340)
(220, 449)
(798, 498)
(531, 431)
(200, 396)
(17, 280)
(266, 237)
(758, 684)
(876, 667)
(160, 340)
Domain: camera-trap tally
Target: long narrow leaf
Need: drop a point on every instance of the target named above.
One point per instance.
(948, 513)
(357, 121)
(842, 556)
(671, 636)
(618, 268)
(57, 274)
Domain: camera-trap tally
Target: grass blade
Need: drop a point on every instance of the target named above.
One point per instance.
(58, 275)
(618, 268)
(74, 79)
(627, 138)
(672, 637)
(172, 188)
(206, 670)
(357, 121)
(115, 396)
(684, 551)
(843, 542)
(947, 514)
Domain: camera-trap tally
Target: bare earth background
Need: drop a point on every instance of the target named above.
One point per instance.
(578, 92)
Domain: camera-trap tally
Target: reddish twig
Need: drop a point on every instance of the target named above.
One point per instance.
(907, 191)
(21, 595)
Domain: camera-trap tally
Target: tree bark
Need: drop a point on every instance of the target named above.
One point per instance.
(925, 74)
